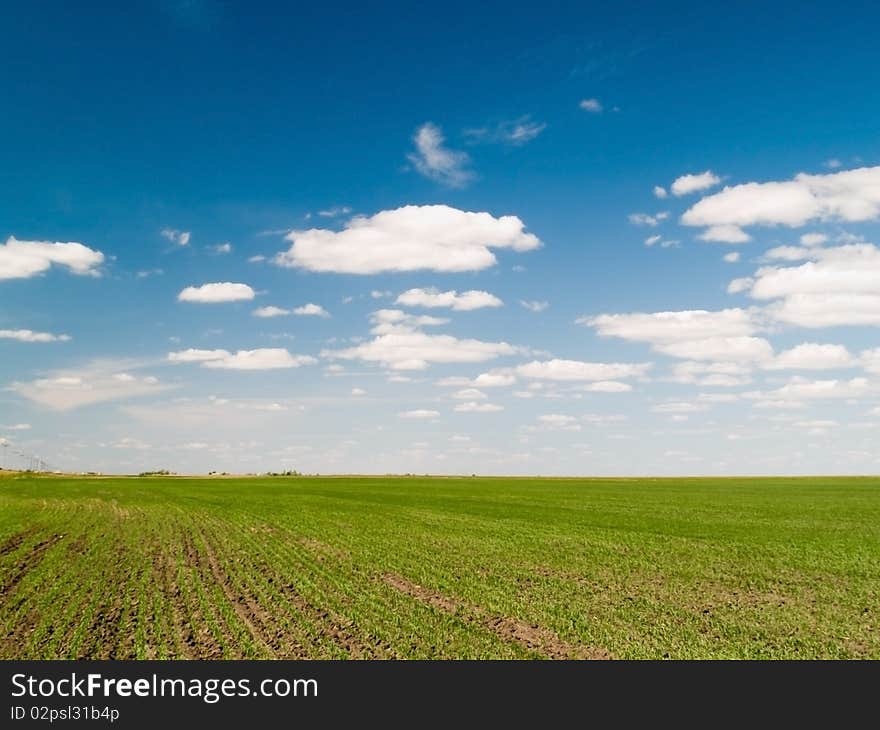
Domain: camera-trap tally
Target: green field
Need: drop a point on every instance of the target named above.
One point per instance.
(409, 567)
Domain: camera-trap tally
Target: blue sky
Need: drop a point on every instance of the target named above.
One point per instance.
(544, 241)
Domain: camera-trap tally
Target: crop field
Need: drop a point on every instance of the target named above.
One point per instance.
(410, 567)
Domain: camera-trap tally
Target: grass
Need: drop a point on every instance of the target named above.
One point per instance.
(170, 567)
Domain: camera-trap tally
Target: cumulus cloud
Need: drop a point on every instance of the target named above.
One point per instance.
(593, 106)
(559, 421)
(870, 360)
(689, 334)
(813, 239)
(799, 389)
(194, 355)
(400, 344)
(839, 286)
(436, 161)
(433, 298)
(660, 192)
(222, 248)
(725, 234)
(607, 386)
(577, 370)
(412, 238)
(851, 196)
(271, 358)
(812, 356)
(225, 291)
(474, 407)
(270, 311)
(470, 394)
(311, 310)
(181, 238)
(731, 258)
(493, 379)
(24, 259)
(31, 336)
(736, 349)
(712, 374)
(694, 183)
(665, 327)
(419, 414)
(679, 407)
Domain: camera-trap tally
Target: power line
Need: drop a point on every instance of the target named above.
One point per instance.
(13, 458)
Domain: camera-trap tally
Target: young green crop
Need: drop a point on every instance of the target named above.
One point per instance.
(384, 567)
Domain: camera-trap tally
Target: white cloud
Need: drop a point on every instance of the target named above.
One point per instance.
(743, 283)
(18, 427)
(644, 219)
(415, 350)
(24, 259)
(660, 192)
(731, 258)
(412, 238)
(400, 344)
(515, 132)
(271, 358)
(870, 360)
(607, 386)
(591, 105)
(358, 392)
(713, 374)
(256, 259)
(665, 327)
(494, 380)
(217, 292)
(736, 349)
(576, 370)
(813, 239)
(790, 253)
(840, 287)
(851, 195)
(559, 421)
(687, 184)
(270, 311)
(470, 394)
(799, 389)
(437, 162)
(181, 238)
(474, 407)
(725, 234)
(679, 407)
(651, 240)
(464, 302)
(193, 355)
(31, 336)
(812, 356)
(419, 414)
(222, 248)
(311, 310)
(689, 334)
(335, 211)
(65, 390)
(534, 306)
